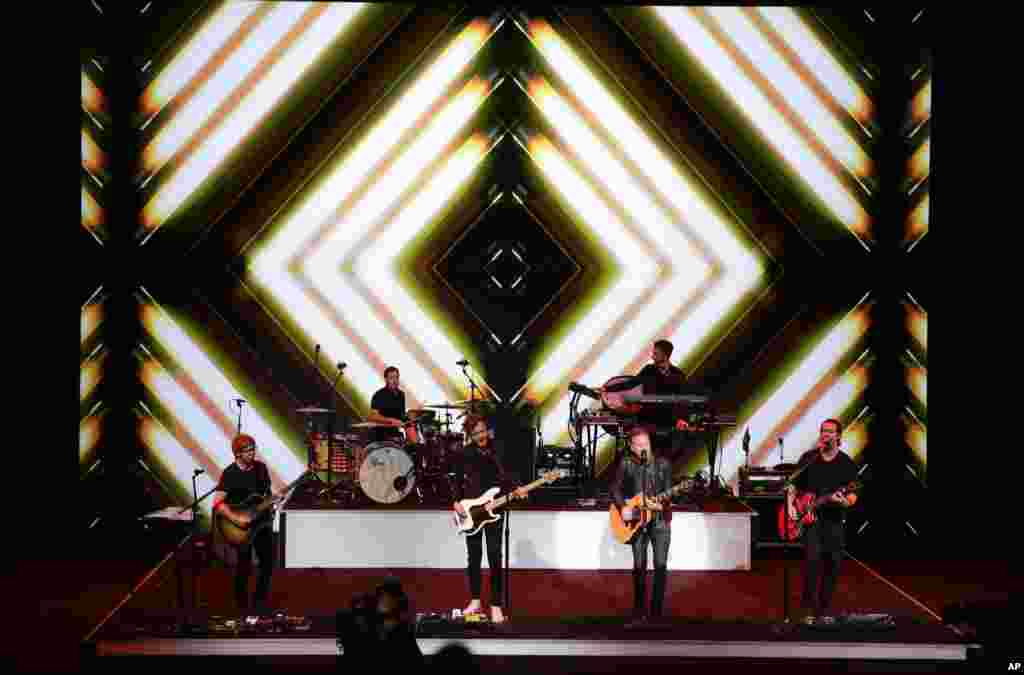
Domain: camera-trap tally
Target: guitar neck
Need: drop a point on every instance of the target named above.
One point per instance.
(269, 501)
(501, 501)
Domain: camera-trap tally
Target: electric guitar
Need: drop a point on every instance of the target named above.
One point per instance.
(624, 530)
(805, 507)
(480, 511)
(259, 509)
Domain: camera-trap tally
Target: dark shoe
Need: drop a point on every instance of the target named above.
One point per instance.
(809, 620)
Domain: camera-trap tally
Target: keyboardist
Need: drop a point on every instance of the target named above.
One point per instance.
(661, 378)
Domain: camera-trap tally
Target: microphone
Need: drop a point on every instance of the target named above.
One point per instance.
(462, 363)
(342, 366)
(239, 402)
(196, 472)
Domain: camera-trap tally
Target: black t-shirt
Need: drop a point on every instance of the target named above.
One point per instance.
(240, 485)
(389, 404)
(478, 470)
(824, 478)
(656, 383)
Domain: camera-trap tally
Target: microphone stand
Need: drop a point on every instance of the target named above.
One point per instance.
(472, 389)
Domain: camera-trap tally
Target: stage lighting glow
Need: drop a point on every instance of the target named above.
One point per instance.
(89, 376)
(917, 380)
(920, 162)
(636, 281)
(88, 435)
(772, 125)
(779, 414)
(223, 86)
(921, 105)
(819, 61)
(92, 315)
(93, 159)
(736, 23)
(180, 462)
(92, 213)
(855, 439)
(219, 391)
(196, 54)
(253, 109)
(916, 437)
(92, 97)
(917, 325)
(377, 272)
(269, 265)
(917, 221)
(323, 266)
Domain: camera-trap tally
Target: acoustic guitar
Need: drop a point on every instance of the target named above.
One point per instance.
(805, 507)
(259, 509)
(480, 512)
(624, 530)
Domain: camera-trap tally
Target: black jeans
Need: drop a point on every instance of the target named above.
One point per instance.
(657, 535)
(263, 542)
(823, 547)
(474, 549)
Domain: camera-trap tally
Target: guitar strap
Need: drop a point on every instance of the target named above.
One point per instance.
(800, 469)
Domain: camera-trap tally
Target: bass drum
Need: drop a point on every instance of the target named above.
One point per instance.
(387, 472)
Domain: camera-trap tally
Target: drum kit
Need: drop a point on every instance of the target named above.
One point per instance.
(351, 466)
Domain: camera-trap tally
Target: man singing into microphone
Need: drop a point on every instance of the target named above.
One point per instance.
(827, 471)
(638, 472)
(388, 407)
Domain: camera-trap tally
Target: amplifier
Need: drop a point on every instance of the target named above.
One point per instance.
(556, 457)
(758, 481)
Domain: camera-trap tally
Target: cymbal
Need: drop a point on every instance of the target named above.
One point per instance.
(448, 406)
(369, 425)
(419, 412)
(311, 409)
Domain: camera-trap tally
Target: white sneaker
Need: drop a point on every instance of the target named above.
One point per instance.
(496, 615)
(472, 608)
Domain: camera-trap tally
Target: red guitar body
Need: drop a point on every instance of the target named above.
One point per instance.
(790, 529)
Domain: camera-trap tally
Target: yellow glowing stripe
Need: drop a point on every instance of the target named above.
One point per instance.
(917, 438)
(735, 23)
(376, 268)
(772, 125)
(253, 109)
(917, 221)
(921, 106)
(180, 461)
(318, 208)
(637, 279)
(88, 435)
(917, 380)
(742, 270)
(819, 61)
(93, 158)
(89, 377)
(92, 214)
(920, 162)
(223, 84)
(855, 438)
(220, 393)
(323, 265)
(92, 314)
(196, 54)
(917, 324)
(797, 386)
(92, 98)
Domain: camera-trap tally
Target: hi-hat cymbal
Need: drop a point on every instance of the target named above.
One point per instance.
(311, 409)
(419, 413)
(448, 406)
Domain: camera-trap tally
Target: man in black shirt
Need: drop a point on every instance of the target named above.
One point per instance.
(388, 407)
(825, 470)
(242, 479)
(661, 378)
(477, 469)
(639, 471)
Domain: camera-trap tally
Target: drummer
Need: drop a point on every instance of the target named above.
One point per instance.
(387, 407)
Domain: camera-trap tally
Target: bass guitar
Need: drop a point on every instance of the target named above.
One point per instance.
(624, 530)
(480, 511)
(260, 511)
(804, 511)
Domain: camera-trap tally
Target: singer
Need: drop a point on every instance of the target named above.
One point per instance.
(827, 470)
(476, 470)
(639, 471)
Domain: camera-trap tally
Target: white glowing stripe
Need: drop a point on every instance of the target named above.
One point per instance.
(92, 99)
(798, 95)
(709, 313)
(773, 127)
(377, 266)
(322, 266)
(253, 109)
(818, 60)
(180, 461)
(637, 277)
(188, 414)
(221, 392)
(375, 146)
(191, 117)
(195, 55)
(796, 387)
(651, 161)
(93, 158)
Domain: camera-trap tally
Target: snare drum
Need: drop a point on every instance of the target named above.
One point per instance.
(386, 473)
(412, 436)
(319, 452)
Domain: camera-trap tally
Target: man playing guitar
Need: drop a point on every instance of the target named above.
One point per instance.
(823, 470)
